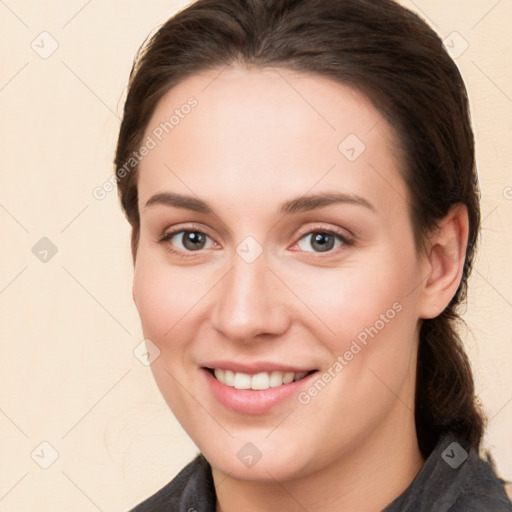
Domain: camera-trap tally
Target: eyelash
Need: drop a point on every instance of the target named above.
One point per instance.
(188, 229)
(344, 238)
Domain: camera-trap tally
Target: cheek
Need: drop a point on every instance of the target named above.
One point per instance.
(151, 295)
(372, 319)
(165, 299)
(173, 302)
(163, 296)
(348, 300)
(370, 309)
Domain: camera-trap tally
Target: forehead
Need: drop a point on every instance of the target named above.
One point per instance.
(266, 100)
(244, 131)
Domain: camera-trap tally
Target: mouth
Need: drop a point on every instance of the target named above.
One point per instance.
(260, 381)
(255, 387)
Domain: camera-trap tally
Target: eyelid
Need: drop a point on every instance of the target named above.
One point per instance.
(169, 233)
(345, 235)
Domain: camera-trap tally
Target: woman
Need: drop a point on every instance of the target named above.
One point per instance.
(300, 181)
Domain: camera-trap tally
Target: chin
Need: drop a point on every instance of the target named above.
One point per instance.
(262, 461)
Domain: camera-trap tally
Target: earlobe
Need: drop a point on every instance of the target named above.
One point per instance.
(445, 261)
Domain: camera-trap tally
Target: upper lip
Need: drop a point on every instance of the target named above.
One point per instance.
(254, 367)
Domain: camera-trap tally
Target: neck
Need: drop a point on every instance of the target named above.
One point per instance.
(367, 479)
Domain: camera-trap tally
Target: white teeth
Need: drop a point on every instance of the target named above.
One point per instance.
(259, 381)
(242, 381)
(229, 378)
(288, 377)
(276, 379)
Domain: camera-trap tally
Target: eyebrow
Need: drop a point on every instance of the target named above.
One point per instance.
(296, 205)
(179, 201)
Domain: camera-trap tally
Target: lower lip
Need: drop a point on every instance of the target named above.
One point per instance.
(250, 401)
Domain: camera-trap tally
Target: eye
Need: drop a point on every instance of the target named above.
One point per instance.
(322, 241)
(187, 240)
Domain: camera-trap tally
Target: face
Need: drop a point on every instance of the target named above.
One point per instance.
(276, 251)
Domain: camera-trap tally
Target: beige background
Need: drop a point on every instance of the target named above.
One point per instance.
(68, 326)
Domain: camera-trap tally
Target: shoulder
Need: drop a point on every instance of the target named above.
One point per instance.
(454, 479)
(482, 490)
(191, 489)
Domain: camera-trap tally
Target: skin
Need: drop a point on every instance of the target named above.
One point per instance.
(259, 138)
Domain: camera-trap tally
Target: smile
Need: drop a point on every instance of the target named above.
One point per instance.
(255, 387)
(258, 381)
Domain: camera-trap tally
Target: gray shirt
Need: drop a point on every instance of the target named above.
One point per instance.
(451, 480)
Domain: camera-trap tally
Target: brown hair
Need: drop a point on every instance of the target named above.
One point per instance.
(399, 62)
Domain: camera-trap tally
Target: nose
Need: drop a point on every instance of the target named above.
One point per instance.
(250, 302)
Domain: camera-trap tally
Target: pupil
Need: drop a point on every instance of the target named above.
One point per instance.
(325, 241)
(193, 240)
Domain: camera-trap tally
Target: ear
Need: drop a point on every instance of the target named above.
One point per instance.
(133, 294)
(444, 261)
